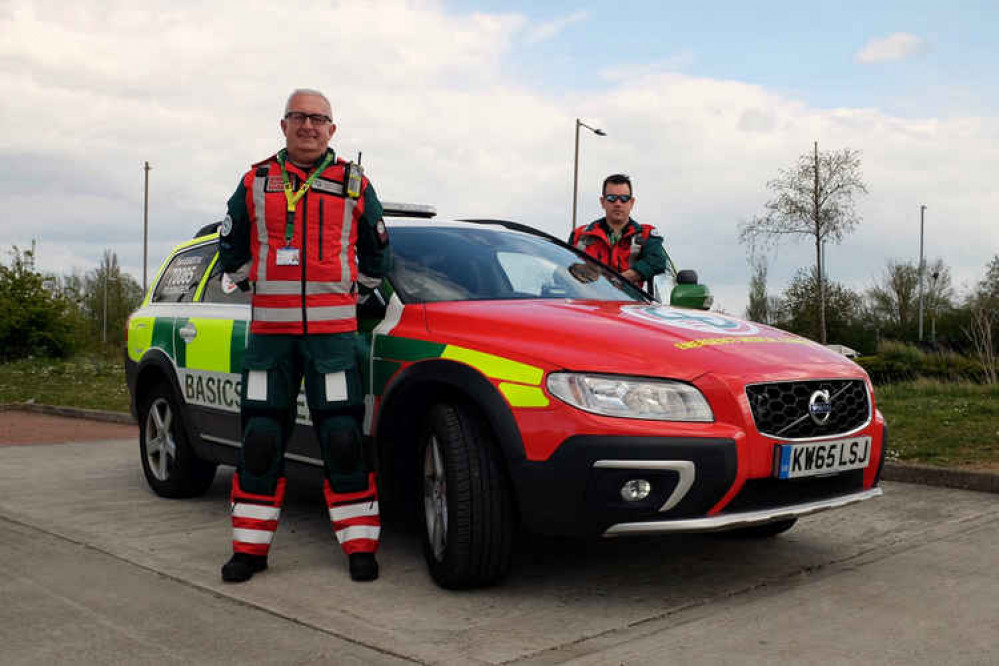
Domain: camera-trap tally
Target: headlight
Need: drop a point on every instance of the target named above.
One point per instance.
(631, 398)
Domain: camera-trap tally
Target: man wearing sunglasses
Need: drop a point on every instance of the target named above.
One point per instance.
(635, 250)
(305, 229)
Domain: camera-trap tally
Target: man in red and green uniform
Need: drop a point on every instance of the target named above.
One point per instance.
(634, 250)
(304, 230)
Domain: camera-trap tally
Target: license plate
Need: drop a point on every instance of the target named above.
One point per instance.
(815, 458)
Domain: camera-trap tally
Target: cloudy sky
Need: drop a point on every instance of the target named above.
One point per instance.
(471, 106)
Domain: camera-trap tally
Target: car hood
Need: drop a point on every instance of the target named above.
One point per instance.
(633, 338)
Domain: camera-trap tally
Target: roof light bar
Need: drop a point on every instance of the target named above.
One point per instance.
(408, 210)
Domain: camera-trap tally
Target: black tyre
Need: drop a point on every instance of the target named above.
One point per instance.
(468, 519)
(168, 461)
(764, 531)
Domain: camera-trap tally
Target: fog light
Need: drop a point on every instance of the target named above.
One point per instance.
(635, 490)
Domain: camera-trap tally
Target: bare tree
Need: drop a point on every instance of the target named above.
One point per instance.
(893, 299)
(983, 331)
(814, 198)
(984, 322)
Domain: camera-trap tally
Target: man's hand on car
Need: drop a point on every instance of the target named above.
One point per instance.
(634, 277)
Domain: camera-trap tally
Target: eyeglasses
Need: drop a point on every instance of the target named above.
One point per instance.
(614, 198)
(317, 119)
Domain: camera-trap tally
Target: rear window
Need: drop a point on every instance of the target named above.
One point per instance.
(213, 290)
(182, 275)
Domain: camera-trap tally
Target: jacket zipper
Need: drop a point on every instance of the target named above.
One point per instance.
(321, 225)
(305, 258)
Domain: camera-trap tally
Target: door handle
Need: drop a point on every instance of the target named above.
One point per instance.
(188, 332)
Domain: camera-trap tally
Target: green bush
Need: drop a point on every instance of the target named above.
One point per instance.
(33, 320)
(899, 362)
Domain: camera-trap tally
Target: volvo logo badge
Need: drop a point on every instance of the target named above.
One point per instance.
(819, 407)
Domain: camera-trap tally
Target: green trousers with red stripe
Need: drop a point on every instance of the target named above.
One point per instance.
(273, 370)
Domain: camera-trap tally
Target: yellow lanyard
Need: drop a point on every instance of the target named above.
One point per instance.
(293, 197)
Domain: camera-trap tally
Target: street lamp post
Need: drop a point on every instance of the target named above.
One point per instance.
(575, 168)
(104, 328)
(145, 231)
(934, 298)
(922, 211)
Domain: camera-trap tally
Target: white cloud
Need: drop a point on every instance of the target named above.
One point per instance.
(90, 95)
(545, 31)
(674, 63)
(897, 46)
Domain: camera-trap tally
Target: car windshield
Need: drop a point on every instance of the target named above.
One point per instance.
(451, 263)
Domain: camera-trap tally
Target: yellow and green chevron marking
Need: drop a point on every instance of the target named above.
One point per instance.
(519, 382)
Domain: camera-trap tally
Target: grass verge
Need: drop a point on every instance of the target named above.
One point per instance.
(940, 423)
(90, 382)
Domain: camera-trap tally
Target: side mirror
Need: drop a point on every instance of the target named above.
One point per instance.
(688, 294)
(686, 276)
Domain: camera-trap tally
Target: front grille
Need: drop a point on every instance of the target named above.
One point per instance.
(773, 493)
(781, 409)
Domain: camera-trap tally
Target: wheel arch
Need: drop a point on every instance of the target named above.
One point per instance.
(156, 367)
(409, 398)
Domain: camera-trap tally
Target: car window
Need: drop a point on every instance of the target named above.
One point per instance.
(528, 273)
(213, 290)
(181, 277)
(489, 263)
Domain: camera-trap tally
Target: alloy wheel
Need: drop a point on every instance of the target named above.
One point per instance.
(435, 497)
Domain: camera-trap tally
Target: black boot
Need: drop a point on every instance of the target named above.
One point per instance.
(363, 566)
(242, 566)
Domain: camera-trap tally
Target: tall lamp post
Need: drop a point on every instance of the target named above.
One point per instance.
(145, 231)
(575, 168)
(922, 211)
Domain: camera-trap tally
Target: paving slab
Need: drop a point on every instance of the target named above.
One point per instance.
(68, 603)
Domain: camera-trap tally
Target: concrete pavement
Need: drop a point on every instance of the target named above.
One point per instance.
(100, 570)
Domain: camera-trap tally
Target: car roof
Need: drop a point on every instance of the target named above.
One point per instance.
(408, 215)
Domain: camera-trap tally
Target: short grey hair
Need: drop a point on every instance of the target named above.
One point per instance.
(305, 91)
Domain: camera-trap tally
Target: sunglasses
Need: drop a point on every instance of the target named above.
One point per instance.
(614, 198)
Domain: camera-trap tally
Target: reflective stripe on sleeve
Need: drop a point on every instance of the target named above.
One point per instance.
(368, 281)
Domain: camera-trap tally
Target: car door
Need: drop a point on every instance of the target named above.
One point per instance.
(213, 338)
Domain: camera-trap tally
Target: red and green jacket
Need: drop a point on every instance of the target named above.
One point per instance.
(340, 244)
(639, 247)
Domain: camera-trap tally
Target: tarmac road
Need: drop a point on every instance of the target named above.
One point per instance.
(98, 570)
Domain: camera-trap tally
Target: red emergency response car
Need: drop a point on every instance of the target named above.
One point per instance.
(513, 381)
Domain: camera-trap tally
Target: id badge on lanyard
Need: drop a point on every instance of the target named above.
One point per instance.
(287, 256)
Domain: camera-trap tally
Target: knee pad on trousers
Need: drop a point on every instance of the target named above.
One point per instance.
(261, 445)
(343, 444)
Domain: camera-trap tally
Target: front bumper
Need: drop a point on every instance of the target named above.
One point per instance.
(731, 521)
(576, 491)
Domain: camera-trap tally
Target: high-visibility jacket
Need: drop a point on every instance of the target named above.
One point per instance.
(640, 247)
(338, 241)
